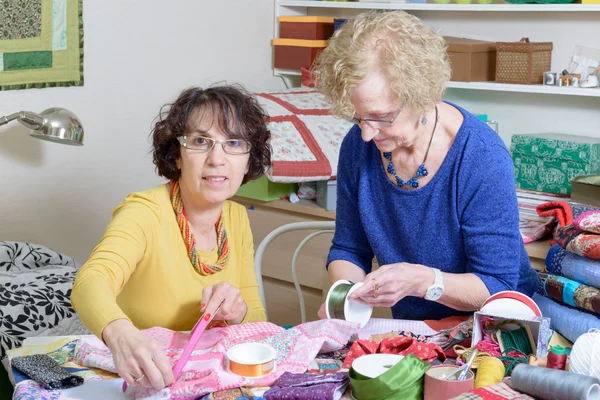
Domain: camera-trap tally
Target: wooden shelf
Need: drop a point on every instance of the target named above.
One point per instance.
(538, 249)
(507, 7)
(496, 87)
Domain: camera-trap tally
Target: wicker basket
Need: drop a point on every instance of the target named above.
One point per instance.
(522, 62)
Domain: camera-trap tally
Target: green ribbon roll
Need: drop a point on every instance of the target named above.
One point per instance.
(403, 381)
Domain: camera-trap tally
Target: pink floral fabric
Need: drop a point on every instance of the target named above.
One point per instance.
(206, 371)
(588, 221)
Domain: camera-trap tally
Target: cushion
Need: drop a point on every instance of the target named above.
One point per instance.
(35, 293)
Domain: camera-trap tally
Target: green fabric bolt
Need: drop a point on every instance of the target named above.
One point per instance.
(403, 381)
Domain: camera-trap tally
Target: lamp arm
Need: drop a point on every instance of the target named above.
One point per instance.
(5, 120)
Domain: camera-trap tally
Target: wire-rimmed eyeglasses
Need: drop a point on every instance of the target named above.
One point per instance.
(205, 144)
(376, 123)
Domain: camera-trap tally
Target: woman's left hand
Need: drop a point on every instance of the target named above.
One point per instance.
(391, 283)
(233, 307)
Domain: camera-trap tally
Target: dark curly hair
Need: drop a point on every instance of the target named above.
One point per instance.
(238, 114)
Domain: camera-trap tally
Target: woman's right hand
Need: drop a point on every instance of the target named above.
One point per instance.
(322, 314)
(136, 355)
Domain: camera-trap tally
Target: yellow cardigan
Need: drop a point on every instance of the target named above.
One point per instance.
(141, 270)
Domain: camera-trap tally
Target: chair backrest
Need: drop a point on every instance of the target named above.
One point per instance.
(319, 226)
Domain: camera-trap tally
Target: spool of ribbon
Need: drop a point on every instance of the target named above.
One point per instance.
(402, 381)
(547, 384)
(251, 359)
(490, 371)
(340, 307)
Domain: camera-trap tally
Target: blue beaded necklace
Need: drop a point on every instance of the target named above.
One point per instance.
(422, 171)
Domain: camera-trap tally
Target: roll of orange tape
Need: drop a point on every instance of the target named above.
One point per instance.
(251, 359)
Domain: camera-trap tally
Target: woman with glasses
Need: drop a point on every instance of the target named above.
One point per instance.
(171, 251)
(423, 186)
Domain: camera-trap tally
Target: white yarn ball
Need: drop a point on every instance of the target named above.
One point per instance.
(585, 355)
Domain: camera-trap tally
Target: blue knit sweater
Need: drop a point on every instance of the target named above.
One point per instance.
(465, 220)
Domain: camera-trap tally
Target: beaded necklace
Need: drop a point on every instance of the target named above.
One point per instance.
(190, 240)
(421, 171)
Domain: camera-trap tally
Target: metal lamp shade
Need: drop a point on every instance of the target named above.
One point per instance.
(57, 125)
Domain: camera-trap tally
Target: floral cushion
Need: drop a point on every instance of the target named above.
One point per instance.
(35, 292)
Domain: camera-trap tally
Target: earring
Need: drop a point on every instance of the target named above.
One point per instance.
(424, 120)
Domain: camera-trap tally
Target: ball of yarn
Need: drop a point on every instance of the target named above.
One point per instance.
(585, 355)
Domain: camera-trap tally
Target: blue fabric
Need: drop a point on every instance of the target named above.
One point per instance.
(581, 269)
(465, 220)
(568, 321)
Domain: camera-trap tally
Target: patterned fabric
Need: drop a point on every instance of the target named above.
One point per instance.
(206, 370)
(567, 234)
(535, 230)
(420, 338)
(35, 290)
(41, 43)
(305, 138)
(20, 19)
(565, 212)
(190, 240)
(500, 391)
(588, 221)
(62, 352)
(581, 269)
(308, 386)
(400, 345)
(573, 293)
(45, 370)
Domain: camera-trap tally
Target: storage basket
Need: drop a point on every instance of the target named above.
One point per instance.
(522, 62)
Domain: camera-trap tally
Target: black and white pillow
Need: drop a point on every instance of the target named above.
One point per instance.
(35, 291)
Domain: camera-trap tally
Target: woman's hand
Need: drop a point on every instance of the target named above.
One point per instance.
(233, 309)
(322, 313)
(137, 356)
(391, 283)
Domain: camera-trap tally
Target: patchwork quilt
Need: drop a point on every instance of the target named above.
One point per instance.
(305, 138)
(41, 43)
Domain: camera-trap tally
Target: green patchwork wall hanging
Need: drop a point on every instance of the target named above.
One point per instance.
(41, 43)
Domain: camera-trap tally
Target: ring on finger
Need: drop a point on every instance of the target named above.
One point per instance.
(136, 380)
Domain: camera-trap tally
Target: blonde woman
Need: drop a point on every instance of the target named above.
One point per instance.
(422, 185)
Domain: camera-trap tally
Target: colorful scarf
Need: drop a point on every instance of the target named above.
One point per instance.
(190, 240)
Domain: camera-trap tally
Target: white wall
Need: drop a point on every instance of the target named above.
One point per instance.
(138, 56)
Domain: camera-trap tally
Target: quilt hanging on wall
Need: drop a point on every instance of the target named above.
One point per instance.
(41, 43)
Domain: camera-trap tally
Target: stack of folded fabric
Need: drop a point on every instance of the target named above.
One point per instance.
(570, 294)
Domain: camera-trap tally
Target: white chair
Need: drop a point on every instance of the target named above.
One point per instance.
(320, 227)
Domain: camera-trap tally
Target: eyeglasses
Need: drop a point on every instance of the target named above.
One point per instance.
(206, 144)
(376, 123)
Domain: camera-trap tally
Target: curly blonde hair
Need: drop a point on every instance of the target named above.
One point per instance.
(414, 58)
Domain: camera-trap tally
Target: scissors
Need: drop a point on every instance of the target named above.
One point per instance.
(195, 334)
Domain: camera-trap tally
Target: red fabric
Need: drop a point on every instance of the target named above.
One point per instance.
(428, 352)
(446, 323)
(559, 209)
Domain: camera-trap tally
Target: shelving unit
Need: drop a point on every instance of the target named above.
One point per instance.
(443, 7)
(495, 87)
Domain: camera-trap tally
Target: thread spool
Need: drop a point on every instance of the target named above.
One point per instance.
(340, 307)
(490, 372)
(585, 355)
(557, 358)
(548, 384)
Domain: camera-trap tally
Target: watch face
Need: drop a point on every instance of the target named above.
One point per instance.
(434, 293)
